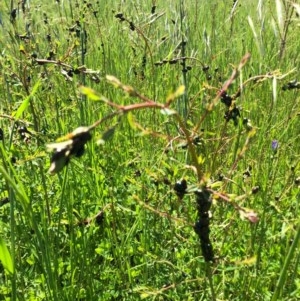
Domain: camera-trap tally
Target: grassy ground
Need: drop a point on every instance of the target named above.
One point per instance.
(109, 225)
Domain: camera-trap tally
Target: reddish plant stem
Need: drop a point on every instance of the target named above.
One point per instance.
(225, 87)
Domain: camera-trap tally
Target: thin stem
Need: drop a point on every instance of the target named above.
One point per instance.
(210, 280)
(148, 104)
(288, 15)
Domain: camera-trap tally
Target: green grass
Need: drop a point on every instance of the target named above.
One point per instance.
(142, 245)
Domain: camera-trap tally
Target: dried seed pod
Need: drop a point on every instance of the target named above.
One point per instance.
(74, 145)
(13, 15)
(232, 114)
(294, 84)
(255, 189)
(226, 99)
(120, 16)
(204, 201)
(131, 26)
(207, 251)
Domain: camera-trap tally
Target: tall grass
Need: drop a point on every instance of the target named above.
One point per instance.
(109, 225)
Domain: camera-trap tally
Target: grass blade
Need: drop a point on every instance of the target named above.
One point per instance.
(288, 259)
(25, 103)
(5, 257)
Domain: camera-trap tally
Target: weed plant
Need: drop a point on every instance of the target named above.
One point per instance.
(149, 150)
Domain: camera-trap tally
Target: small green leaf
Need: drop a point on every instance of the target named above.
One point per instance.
(145, 295)
(5, 257)
(22, 49)
(90, 93)
(131, 120)
(201, 159)
(180, 91)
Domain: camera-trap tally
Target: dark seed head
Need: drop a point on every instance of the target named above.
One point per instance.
(255, 189)
(171, 62)
(226, 99)
(119, 16)
(246, 174)
(4, 201)
(131, 26)
(207, 251)
(22, 129)
(180, 188)
(137, 173)
(70, 72)
(205, 68)
(78, 151)
(204, 201)
(99, 218)
(13, 14)
(166, 181)
(220, 177)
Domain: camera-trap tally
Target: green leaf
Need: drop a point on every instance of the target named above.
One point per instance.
(16, 186)
(21, 48)
(145, 295)
(131, 120)
(25, 102)
(180, 91)
(90, 93)
(5, 257)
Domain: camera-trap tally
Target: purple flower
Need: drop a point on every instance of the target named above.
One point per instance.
(275, 145)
